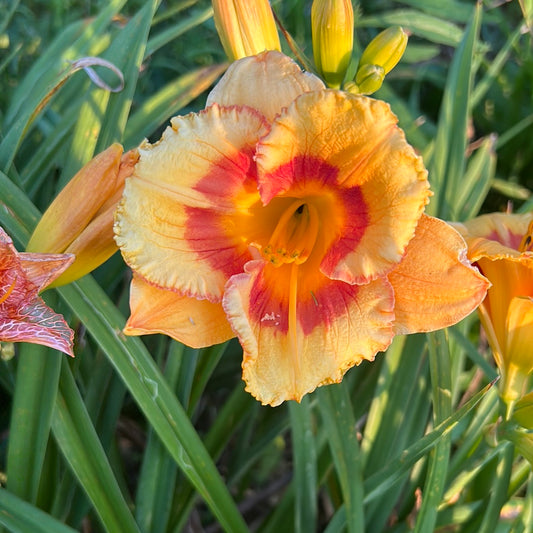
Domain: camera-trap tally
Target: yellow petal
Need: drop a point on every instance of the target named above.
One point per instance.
(183, 221)
(196, 323)
(434, 285)
(293, 344)
(267, 82)
(356, 141)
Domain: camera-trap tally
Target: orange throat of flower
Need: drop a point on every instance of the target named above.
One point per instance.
(294, 236)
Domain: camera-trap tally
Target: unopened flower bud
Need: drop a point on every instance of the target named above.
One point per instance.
(245, 27)
(369, 79)
(332, 23)
(80, 219)
(386, 49)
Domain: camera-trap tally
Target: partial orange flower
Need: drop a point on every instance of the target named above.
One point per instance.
(24, 317)
(292, 216)
(501, 246)
(80, 219)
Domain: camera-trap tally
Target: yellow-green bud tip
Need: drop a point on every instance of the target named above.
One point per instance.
(386, 49)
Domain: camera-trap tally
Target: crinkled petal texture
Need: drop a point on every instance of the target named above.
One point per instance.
(24, 317)
(180, 222)
(268, 82)
(300, 330)
(347, 151)
(196, 323)
(435, 285)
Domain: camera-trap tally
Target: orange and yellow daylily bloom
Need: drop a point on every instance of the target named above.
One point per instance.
(24, 317)
(290, 215)
(501, 246)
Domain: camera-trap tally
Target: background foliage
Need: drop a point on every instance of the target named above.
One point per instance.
(145, 435)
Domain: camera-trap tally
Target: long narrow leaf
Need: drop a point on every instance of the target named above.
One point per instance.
(81, 447)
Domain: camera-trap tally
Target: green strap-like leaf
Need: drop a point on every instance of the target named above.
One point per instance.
(21, 517)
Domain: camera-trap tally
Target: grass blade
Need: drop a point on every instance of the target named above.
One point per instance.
(305, 470)
(21, 517)
(79, 443)
(339, 423)
(33, 404)
(446, 166)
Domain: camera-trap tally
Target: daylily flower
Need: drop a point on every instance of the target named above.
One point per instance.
(245, 27)
(332, 24)
(295, 214)
(80, 219)
(501, 246)
(24, 317)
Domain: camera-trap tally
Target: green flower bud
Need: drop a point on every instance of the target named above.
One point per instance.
(386, 49)
(369, 78)
(332, 24)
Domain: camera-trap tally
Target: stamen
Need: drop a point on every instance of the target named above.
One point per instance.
(294, 236)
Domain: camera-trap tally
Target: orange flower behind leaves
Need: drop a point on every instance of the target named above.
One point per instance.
(501, 246)
(80, 219)
(290, 215)
(24, 317)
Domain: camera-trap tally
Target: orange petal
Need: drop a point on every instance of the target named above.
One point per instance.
(434, 285)
(196, 323)
(267, 82)
(76, 204)
(183, 221)
(333, 327)
(356, 145)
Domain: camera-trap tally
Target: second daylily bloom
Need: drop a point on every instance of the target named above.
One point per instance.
(80, 219)
(501, 246)
(24, 317)
(292, 216)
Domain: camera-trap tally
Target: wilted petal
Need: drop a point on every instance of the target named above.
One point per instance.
(196, 323)
(24, 317)
(435, 286)
(267, 82)
(292, 346)
(35, 322)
